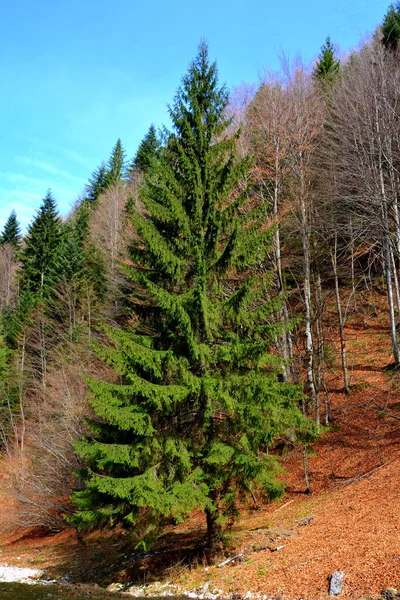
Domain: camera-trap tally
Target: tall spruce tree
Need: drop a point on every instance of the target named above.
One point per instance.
(196, 402)
(391, 27)
(107, 174)
(97, 184)
(116, 166)
(148, 151)
(328, 66)
(11, 233)
(40, 249)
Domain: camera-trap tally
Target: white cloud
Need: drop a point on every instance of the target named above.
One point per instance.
(30, 176)
(45, 165)
(24, 194)
(60, 153)
(24, 203)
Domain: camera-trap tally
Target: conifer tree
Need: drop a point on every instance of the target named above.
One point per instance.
(11, 233)
(78, 271)
(4, 416)
(97, 184)
(68, 257)
(391, 27)
(89, 260)
(8, 391)
(148, 151)
(40, 249)
(328, 66)
(116, 166)
(107, 174)
(196, 402)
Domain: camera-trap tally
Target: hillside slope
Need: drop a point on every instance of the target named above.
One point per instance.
(355, 505)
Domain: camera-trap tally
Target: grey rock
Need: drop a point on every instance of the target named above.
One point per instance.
(336, 583)
(390, 594)
(275, 548)
(231, 560)
(304, 521)
(114, 587)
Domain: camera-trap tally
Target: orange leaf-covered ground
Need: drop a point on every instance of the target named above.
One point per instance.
(355, 500)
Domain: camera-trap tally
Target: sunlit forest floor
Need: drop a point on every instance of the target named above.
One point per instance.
(355, 503)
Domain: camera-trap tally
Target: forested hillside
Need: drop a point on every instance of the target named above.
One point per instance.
(163, 345)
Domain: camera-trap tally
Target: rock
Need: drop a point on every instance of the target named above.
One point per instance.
(304, 520)
(157, 589)
(136, 591)
(390, 594)
(114, 587)
(231, 560)
(259, 547)
(275, 548)
(276, 534)
(336, 583)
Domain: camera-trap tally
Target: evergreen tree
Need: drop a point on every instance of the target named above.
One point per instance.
(196, 402)
(40, 250)
(81, 220)
(12, 231)
(78, 270)
(107, 174)
(391, 27)
(8, 391)
(68, 257)
(116, 166)
(4, 400)
(97, 184)
(328, 66)
(91, 260)
(148, 151)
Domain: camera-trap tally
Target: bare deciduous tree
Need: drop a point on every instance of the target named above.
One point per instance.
(364, 137)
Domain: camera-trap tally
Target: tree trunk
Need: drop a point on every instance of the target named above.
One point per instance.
(306, 471)
(305, 234)
(278, 265)
(353, 278)
(386, 239)
(389, 286)
(343, 352)
(214, 530)
(20, 436)
(396, 281)
(320, 371)
(388, 265)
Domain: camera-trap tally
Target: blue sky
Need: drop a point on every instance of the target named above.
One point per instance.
(78, 74)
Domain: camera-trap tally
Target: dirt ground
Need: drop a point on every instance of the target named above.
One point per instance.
(354, 504)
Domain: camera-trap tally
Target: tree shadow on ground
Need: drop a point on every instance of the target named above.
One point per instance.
(104, 561)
